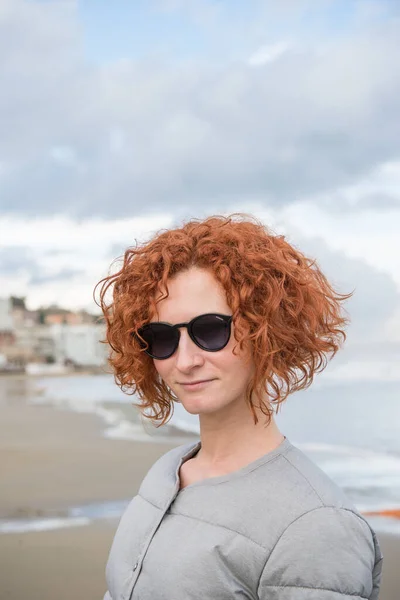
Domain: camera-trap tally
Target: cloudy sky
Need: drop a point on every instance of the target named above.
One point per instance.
(121, 118)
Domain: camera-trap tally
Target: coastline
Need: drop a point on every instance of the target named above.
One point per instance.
(70, 563)
(52, 459)
(18, 373)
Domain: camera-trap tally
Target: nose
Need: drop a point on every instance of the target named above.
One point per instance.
(188, 354)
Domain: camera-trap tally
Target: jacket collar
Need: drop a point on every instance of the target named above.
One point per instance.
(162, 484)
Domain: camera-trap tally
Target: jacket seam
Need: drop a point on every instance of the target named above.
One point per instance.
(303, 515)
(289, 525)
(147, 500)
(179, 514)
(207, 481)
(306, 478)
(304, 587)
(361, 518)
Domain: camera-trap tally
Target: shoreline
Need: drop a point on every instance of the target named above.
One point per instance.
(53, 459)
(71, 563)
(61, 460)
(18, 374)
(168, 436)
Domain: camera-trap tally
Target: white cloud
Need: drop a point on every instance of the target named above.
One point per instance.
(152, 133)
(304, 133)
(268, 53)
(370, 236)
(64, 155)
(56, 233)
(117, 140)
(57, 244)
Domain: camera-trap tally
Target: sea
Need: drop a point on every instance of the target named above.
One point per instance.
(350, 429)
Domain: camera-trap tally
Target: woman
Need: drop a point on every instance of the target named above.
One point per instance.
(228, 319)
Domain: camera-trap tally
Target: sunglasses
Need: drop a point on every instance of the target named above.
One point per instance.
(210, 332)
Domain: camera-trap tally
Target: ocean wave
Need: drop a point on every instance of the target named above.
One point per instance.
(32, 525)
(368, 476)
(83, 515)
(117, 425)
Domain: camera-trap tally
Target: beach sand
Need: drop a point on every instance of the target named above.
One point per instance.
(62, 564)
(51, 459)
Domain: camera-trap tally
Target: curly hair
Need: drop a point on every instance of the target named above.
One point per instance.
(280, 300)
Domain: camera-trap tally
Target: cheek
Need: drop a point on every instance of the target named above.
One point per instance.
(243, 357)
(162, 368)
(244, 365)
(239, 366)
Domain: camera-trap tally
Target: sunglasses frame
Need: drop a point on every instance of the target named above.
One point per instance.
(189, 326)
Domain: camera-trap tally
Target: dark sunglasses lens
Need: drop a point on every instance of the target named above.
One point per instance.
(162, 339)
(211, 332)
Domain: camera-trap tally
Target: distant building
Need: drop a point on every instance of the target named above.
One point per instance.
(7, 331)
(22, 317)
(35, 343)
(55, 315)
(79, 344)
(49, 335)
(18, 310)
(6, 320)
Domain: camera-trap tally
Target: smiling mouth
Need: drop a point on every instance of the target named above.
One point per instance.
(197, 382)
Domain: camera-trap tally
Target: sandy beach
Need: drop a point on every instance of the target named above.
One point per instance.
(52, 459)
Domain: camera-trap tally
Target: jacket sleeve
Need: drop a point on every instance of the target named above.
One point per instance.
(326, 554)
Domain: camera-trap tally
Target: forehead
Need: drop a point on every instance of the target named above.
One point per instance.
(192, 293)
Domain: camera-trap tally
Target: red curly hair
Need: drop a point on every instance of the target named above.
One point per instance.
(280, 300)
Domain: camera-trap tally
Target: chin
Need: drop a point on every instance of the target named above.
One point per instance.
(200, 407)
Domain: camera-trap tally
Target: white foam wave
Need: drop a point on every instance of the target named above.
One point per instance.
(336, 449)
(365, 474)
(125, 430)
(384, 524)
(31, 525)
(118, 427)
(352, 464)
(99, 510)
(185, 426)
(84, 515)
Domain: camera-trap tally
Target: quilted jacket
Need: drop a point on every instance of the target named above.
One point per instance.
(276, 529)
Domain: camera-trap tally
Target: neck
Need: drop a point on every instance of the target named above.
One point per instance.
(234, 440)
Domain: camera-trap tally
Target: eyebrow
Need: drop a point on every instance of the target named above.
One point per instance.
(172, 324)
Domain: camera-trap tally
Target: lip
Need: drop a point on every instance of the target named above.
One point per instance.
(196, 384)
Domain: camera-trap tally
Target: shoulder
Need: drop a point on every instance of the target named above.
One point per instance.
(292, 486)
(321, 541)
(328, 549)
(312, 482)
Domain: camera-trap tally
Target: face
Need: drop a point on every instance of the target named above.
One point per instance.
(193, 293)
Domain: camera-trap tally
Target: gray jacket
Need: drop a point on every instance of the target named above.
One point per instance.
(277, 529)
